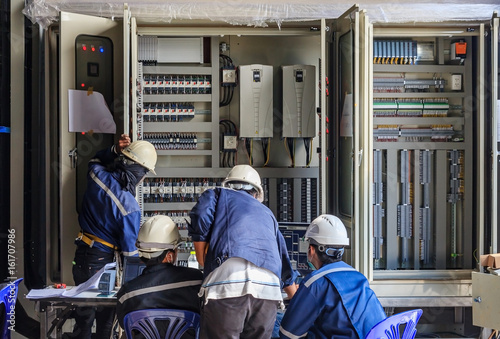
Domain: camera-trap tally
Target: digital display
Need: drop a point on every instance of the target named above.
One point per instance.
(299, 76)
(256, 76)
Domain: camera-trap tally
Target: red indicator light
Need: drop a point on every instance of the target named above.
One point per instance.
(83, 85)
(83, 133)
(93, 49)
(84, 47)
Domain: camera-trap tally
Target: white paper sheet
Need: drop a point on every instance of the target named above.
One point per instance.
(92, 283)
(45, 293)
(88, 112)
(89, 284)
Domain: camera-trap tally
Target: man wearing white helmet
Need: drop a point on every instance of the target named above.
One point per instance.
(244, 256)
(161, 284)
(335, 301)
(109, 220)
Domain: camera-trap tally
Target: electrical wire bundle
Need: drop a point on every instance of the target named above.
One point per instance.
(290, 149)
(227, 88)
(249, 149)
(307, 145)
(266, 148)
(229, 157)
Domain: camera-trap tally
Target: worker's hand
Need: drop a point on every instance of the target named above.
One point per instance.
(122, 143)
(290, 290)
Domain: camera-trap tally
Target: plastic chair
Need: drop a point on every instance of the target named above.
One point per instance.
(8, 297)
(144, 321)
(389, 327)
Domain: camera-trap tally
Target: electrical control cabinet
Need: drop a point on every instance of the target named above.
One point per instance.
(423, 155)
(410, 170)
(299, 84)
(201, 124)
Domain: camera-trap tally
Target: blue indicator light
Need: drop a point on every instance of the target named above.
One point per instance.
(101, 49)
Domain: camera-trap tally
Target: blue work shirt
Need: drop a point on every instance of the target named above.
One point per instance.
(235, 224)
(108, 211)
(335, 301)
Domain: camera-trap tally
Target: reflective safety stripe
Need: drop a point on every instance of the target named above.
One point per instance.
(291, 335)
(320, 275)
(158, 288)
(108, 192)
(129, 254)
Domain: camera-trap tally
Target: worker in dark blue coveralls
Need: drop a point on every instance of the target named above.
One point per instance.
(245, 259)
(335, 300)
(109, 220)
(162, 284)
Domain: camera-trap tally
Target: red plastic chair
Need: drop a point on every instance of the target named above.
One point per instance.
(389, 327)
(8, 297)
(144, 321)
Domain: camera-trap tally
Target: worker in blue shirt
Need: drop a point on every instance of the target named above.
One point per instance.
(109, 220)
(245, 259)
(335, 301)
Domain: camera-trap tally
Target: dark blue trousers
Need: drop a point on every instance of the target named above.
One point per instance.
(88, 261)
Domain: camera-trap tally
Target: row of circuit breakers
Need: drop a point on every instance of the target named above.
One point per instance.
(256, 99)
(166, 190)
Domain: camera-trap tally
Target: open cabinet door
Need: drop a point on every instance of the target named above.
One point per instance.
(345, 132)
(90, 59)
(495, 110)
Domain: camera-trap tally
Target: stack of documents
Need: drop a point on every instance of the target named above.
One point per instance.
(50, 292)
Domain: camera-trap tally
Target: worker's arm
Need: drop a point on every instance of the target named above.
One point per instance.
(290, 290)
(108, 155)
(201, 248)
(300, 314)
(288, 274)
(202, 216)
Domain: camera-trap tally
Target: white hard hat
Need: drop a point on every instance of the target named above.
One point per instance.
(157, 234)
(245, 174)
(327, 230)
(143, 153)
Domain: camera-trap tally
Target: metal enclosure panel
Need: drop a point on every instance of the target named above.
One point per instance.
(17, 145)
(495, 103)
(94, 73)
(256, 101)
(486, 300)
(365, 153)
(73, 25)
(345, 93)
(299, 119)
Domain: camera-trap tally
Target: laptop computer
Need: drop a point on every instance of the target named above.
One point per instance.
(132, 267)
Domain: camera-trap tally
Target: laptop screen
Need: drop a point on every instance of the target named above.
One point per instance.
(132, 267)
(294, 232)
